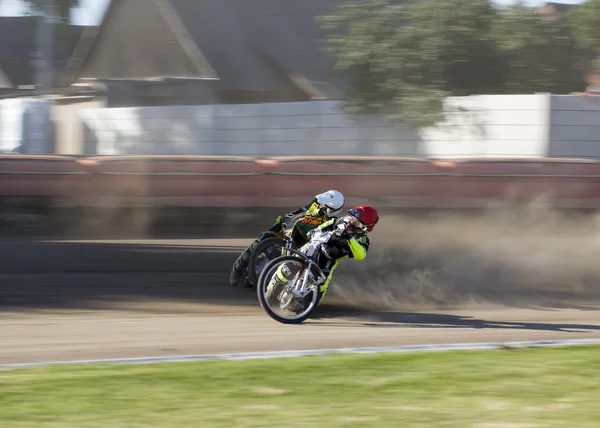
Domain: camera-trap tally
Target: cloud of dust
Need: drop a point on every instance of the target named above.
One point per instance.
(510, 255)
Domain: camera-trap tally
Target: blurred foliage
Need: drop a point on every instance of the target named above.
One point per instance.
(586, 21)
(538, 54)
(404, 58)
(62, 7)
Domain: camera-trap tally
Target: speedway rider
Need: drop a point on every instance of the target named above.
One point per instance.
(323, 208)
(350, 240)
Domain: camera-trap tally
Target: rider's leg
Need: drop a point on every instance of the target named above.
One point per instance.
(239, 269)
(328, 266)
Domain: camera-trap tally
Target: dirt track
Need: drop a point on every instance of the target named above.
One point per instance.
(88, 300)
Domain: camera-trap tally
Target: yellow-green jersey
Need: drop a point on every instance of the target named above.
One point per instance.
(313, 217)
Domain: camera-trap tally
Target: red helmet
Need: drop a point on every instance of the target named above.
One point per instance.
(367, 216)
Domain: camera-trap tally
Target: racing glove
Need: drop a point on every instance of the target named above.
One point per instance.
(314, 233)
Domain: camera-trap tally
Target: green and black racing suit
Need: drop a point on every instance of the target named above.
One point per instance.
(350, 244)
(314, 216)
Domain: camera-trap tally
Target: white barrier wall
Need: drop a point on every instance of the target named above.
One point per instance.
(574, 127)
(69, 128)
(478, 126)
(304, 128)
(11, 125)
(25, 126)
(491, 126)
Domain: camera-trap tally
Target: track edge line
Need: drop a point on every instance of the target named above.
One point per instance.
(304, 353)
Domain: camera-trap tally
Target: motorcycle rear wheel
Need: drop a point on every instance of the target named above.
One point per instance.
(255, 265)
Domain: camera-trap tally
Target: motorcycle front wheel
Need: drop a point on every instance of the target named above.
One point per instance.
(294, 309)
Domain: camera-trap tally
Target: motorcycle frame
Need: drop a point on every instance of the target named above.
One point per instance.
(298, 290)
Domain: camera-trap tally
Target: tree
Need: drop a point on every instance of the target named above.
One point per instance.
(403, 59)
(62, 7)
(586, 20)
(539, 54)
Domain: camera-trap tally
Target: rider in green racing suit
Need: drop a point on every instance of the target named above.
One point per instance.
(349, 241)
(324, 206)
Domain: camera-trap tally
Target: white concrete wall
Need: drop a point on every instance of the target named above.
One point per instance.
(317, 128)
(575, 127)
(25, 126)
(491, 126)
(11, 125)
(69, 127)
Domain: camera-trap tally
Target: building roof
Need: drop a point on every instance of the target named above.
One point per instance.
(249, 41)
(249, 45)
(137, 39)
(18, 47)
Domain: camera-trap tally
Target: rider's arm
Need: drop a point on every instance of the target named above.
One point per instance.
(293, 213)
(359, 245)
(301, 209)
(327, 225)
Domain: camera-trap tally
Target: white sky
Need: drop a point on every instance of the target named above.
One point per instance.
(91, 11)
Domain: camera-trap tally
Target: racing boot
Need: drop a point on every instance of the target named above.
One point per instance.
(239, 272)
(280, 278)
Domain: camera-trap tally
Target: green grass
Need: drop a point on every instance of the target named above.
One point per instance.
(502, 388)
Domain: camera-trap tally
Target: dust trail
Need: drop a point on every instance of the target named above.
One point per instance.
(528, 255)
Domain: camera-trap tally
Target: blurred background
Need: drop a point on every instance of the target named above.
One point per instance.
(137, 112)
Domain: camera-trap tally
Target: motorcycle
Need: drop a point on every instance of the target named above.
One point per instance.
(301, 294)
(270, 248)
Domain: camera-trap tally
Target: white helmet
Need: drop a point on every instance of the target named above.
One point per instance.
(332, 201)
